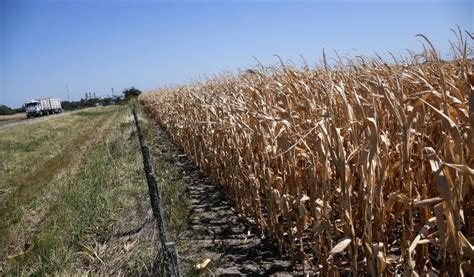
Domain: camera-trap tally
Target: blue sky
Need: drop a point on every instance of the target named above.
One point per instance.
(99, 45)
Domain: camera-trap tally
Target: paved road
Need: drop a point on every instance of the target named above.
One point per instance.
(28, 120)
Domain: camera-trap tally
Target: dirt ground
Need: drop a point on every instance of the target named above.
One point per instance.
(213, 229)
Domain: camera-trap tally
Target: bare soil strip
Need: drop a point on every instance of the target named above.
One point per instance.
(214, 230)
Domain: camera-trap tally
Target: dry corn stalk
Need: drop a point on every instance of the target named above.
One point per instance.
(362, 167)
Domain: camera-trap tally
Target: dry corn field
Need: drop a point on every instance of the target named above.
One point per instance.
(356, 167)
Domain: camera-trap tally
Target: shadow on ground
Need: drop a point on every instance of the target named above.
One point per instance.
(215, 231)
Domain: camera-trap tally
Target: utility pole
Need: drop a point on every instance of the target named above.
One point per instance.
(67, 91)
(113, 92)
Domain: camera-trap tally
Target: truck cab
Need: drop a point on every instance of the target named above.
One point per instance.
(33, 108)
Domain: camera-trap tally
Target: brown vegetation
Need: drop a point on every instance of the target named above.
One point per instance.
(362, 167)
(16, 116)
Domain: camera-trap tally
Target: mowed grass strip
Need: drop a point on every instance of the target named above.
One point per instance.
(60, 213)
(31, 157)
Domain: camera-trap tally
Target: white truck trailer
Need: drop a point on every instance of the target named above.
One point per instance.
(42, 107)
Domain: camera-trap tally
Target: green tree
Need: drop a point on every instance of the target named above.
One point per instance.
(19, 110)
(130, 93)
(106, 101)
(4, 110)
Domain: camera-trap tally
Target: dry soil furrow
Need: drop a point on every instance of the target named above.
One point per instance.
(215, 230)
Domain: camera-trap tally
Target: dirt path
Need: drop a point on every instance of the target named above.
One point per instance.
(214, 230)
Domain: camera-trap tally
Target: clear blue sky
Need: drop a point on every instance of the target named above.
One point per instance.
(96, 46)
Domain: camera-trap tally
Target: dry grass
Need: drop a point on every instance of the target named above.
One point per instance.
(17, 116)
(359, 167)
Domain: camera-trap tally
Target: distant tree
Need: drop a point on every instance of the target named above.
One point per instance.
(117, 100)
(89, 102)
(106, 101)
(19, 110)
(70, 105)
(131, 93)
(4, 110)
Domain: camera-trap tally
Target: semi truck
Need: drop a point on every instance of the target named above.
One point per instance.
(44, 106)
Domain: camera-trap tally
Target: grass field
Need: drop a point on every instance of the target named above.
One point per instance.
(70, 188)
